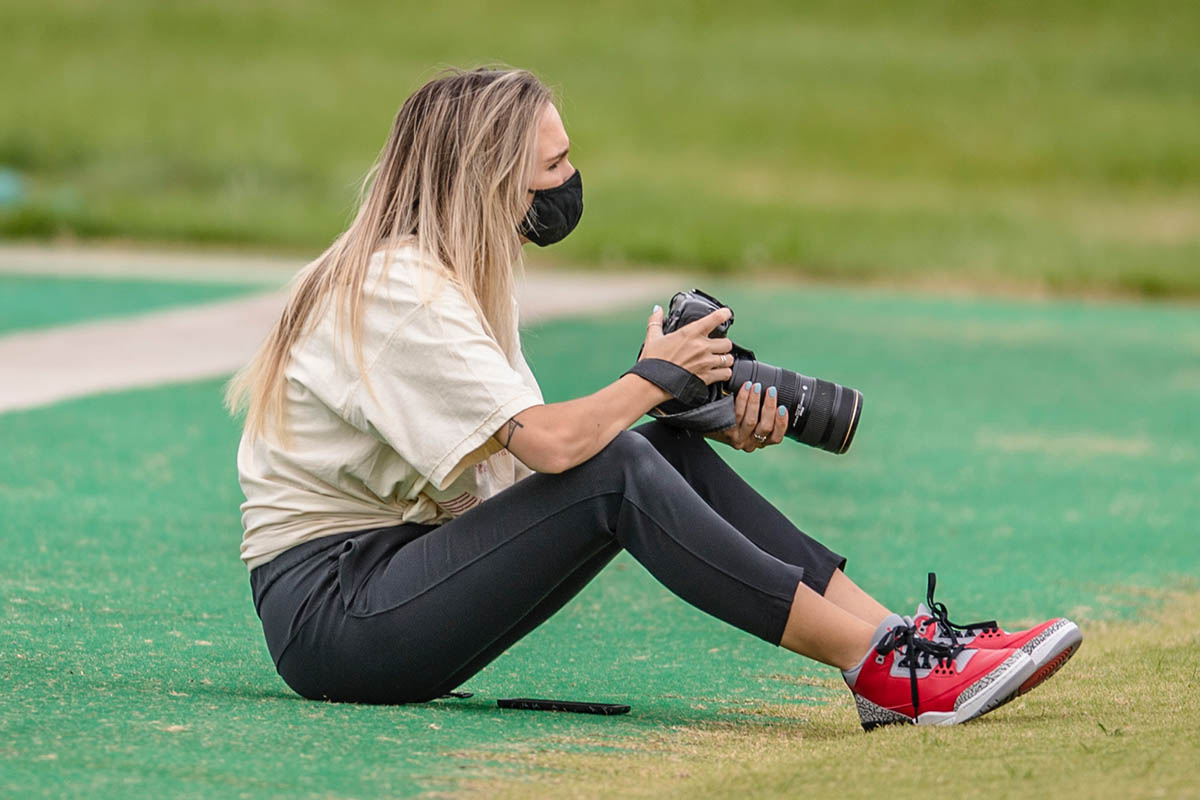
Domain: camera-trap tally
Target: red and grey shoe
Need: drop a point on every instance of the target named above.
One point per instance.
(906, 678)
(1050, 644)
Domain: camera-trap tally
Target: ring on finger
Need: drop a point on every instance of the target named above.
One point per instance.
(760, 438)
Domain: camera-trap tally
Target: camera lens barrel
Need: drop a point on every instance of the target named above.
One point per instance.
(820, 413)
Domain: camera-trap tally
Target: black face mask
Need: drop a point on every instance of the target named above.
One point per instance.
(555, 212)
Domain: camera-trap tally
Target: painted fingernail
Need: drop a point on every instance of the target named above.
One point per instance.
(771, 392)
(783, 411)
(656, 309)
(746, 386)
(757, 388)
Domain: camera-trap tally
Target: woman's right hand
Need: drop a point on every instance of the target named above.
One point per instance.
(689, 346)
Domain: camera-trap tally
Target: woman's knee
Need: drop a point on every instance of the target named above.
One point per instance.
(686, 450)
(632, 453)
(664, 436)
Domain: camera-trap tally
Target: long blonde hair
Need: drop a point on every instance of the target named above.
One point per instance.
(451, 179)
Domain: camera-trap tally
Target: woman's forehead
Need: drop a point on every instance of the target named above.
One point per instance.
(552, 137)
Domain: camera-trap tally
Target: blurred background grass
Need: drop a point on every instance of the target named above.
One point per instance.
(1048, 145)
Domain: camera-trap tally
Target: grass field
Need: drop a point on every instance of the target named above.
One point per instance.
(32, 301)
(1047, 144)
(1041, 457)
(1123, 724)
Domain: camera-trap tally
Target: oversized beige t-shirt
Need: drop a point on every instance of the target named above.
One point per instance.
(414, 447)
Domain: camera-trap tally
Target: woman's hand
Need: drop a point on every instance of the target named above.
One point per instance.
(708, 359)
(755, 428)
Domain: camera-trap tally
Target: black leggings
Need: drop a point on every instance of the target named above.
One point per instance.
(407, 613)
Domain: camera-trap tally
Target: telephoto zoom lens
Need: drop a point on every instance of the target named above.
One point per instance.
(820, 413)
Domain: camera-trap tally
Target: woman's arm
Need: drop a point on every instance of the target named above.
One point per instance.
(558, 436)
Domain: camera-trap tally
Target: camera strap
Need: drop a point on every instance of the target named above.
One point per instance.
(708, 408)
(715, 416)
(673, 379)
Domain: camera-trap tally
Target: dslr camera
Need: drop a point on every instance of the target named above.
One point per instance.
(820, 413)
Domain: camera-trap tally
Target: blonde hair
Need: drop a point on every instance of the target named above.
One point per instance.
(452, 179)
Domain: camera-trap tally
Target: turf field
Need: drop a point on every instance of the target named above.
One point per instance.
(1045, 143)
(1041, 457)
(34, 301)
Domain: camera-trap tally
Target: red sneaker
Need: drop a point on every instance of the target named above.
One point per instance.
(906, 678)
(1050, 644)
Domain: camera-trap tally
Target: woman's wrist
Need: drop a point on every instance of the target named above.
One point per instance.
(648, 394)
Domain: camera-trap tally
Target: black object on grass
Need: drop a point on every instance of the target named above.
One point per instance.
(531, 704)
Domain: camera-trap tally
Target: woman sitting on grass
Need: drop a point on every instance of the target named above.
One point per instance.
(413, 506)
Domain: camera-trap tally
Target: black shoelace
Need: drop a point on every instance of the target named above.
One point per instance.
(942, 618)
(917, 652)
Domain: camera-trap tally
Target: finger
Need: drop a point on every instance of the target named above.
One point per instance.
(708, 322)
(781, 425)
(766, 417)
(721, 345)
(714, 375)
(745, 420)
(752, 406)
(654, 324)
(740, 402)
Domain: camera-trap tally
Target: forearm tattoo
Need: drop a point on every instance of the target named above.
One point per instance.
(512, 428)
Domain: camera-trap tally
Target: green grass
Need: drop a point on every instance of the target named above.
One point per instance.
(1120, 722)
(1040, 456)
(34, 301)
(1044, 144)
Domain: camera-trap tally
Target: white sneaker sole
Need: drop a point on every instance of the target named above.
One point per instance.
(1049, 650)
(986, 694)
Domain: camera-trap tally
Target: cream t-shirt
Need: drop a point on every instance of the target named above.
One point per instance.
(411, 444)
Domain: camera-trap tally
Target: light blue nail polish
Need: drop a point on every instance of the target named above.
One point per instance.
(757, 388)
(656, 308)
(771, 392)
(782, 411)
(746, 386)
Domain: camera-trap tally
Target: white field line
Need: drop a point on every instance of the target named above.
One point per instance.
(45, 366)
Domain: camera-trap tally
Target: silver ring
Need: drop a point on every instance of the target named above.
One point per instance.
(758, 437)
(723, 357)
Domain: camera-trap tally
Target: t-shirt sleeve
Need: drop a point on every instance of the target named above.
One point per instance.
(440, 387)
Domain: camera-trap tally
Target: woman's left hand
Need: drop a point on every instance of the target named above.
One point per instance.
(755, 427)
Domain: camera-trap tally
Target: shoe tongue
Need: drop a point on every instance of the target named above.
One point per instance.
(891, 621)
(923, 610)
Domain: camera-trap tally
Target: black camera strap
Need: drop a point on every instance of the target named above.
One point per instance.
(715, 416)
(708, 408)
(684, 386)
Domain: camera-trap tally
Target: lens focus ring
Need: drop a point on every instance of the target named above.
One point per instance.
(819, 411)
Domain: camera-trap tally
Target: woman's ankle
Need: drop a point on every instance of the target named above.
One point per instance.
(825, 632)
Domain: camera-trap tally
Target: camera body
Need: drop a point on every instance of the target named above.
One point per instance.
(690, 306)
(821, 413)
